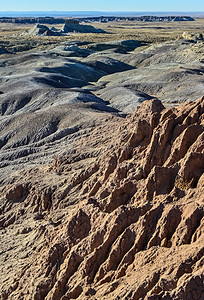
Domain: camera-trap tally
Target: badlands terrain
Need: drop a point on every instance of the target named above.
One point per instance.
(101, 162)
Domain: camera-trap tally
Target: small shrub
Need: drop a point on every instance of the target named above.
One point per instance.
(183, 184)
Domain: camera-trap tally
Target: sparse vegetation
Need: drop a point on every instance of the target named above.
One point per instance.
(151, 32)
(183, 184)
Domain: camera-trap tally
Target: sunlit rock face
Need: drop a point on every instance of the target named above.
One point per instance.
(120, 216)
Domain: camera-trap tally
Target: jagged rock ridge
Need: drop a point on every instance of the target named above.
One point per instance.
(122, 217)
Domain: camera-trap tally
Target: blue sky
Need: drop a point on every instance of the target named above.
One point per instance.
(102, 5)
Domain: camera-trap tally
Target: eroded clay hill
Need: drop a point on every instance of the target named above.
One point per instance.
(50, 99)
(122, 217)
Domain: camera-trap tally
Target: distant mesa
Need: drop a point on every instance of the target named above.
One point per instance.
(105, 19)
(32, 20)
(72, 25)
(101, 19)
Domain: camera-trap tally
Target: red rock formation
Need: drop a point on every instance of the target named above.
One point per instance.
(127, 212)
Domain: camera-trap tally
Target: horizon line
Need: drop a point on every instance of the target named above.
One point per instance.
(122, 11)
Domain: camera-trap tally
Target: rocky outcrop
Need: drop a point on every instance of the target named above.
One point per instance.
(72, 25)
(121, 217)
(190, 36)
(40, 29)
